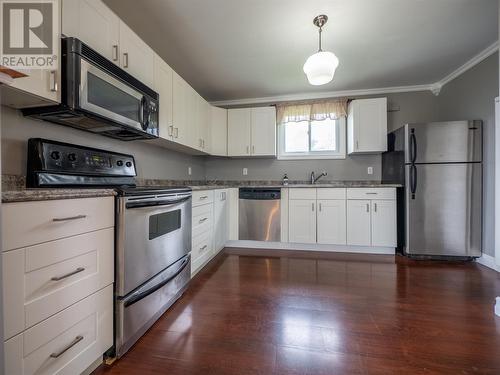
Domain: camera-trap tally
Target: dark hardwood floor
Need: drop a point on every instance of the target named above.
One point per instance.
(263, 312)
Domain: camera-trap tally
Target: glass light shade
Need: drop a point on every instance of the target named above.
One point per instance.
(320, 68)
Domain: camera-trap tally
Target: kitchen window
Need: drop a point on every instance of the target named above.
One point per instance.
(312, 130)
(317, 139)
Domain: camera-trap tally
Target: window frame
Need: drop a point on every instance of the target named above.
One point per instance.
(315, 155)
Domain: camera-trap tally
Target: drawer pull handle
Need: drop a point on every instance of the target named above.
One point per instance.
(72, 343)
(203, 197)
(58, 219)
(203, 247)
(371, 193)
(58, 278)
(203, 220)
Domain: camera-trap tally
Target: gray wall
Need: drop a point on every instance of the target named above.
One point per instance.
(403, 108)
(472, 96)
(152, 161)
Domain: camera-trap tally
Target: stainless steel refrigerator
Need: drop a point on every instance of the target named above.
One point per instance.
(440, 166)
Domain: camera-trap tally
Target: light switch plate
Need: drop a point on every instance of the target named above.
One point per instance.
(245, 171)
(189, 171)
(370, 170)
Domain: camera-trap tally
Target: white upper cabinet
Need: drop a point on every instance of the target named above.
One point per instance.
(181, 100)
(94, 24)
(40, 86)
(163, 85)
(238, 132)
(367, 126)
(251, 131)
(137, 58)
(358, 222)
(218, 131)
(264, 131)
(331, 221)
(302, 220)
(201, 125)
(384, 223)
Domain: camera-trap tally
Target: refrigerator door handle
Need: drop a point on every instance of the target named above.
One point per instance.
(413, 146)
(413, 180)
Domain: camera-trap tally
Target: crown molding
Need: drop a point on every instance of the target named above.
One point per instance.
(487, 52)
(321, 95)
(435, 87)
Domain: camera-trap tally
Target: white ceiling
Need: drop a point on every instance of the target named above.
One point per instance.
(236, 49)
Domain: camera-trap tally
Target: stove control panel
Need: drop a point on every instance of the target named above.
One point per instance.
(58, 157)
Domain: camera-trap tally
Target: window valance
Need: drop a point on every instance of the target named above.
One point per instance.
(311, 111)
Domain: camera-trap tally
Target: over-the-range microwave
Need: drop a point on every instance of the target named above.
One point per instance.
(100, 97)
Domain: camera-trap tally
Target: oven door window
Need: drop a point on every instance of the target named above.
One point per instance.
(105, 95)
(164, 223)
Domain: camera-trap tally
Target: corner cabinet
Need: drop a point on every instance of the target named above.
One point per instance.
(218, 131)
(367, 126)
(251, 131)
(163, 85)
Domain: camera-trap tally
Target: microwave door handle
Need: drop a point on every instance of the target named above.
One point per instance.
(155, 203)
(161, 284)
(141, 111)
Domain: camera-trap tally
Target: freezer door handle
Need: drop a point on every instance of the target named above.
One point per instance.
(413, 146)
(413, 180)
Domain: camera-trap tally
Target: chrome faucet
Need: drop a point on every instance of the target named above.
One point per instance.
(315, 179)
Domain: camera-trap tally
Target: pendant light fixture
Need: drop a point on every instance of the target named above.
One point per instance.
(320, 67)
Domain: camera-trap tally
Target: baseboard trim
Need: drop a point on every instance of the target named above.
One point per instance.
(488, 261)
(312, 247)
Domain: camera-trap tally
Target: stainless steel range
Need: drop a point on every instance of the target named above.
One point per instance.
(153, 261)
(153, 230)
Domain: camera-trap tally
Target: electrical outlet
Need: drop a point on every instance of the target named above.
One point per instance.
(370, 170)
(245, 171)
(190, 172)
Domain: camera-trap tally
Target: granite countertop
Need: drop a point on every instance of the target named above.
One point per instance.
(14, 190)
(340, 184)
(26, 195)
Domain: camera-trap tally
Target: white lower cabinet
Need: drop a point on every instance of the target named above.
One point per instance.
(331, 226)
(66, 343)
(210, 226)
(384, 223)
(338, 216)
(302, 220)
(221, 217)
(57, 281)
(358, 222)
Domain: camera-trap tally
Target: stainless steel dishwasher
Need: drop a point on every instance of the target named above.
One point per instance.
(260, 214)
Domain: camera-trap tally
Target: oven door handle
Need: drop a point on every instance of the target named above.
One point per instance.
(152, 203)
(139, 296)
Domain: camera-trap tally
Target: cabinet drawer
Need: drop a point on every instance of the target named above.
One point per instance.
(302, 193)
(202, 219)
(331, 193)
(371, 193)
(202, 245)
(30, 223)
(202, 197)
(44, 279)
(85, 329)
